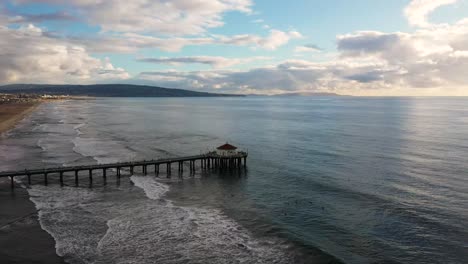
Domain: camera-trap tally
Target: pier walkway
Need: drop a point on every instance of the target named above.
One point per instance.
(207, 161)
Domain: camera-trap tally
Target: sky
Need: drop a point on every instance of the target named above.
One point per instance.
(360, 47)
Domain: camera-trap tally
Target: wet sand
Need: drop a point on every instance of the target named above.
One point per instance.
(11, 113)
(22, 240)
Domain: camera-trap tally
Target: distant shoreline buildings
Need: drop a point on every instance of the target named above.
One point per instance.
(27, 98)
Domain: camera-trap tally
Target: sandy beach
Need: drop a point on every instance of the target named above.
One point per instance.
(11, 113)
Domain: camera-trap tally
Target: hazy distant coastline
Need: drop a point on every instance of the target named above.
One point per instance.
(106, 90)
(292, 94)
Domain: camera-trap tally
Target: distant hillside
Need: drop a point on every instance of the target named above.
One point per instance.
(104, 90)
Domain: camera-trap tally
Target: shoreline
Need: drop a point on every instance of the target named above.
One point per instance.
(12, 113)
(22, 239)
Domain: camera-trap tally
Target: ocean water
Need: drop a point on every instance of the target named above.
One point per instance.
(329, 179)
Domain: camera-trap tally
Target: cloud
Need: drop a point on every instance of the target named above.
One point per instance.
(423, 59)
(276, 39)
(390, 46)
(166, 25)
(175, 17)
(292, 75)
(433, 56)
(37, 58)
(131, 42)
(418, 10)
(37, 18)
(369, 62)
(214, 61)
(307, 48)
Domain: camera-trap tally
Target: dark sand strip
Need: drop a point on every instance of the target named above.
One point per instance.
(22, 240)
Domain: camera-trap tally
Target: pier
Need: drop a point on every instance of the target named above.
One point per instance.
(211, 160)
(206, 161)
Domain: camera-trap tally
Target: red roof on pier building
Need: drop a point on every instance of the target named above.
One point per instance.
(227, 147)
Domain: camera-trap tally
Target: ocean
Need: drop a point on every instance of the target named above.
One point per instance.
(328, 179)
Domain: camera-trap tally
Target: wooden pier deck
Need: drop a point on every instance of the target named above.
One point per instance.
(207, 161)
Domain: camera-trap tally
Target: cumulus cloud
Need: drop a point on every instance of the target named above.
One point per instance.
(126, 27)
(418, 10)
(175, 17)
(425, 58)
(214, 61)
(29, 55)
(433, 56)
(372, 61)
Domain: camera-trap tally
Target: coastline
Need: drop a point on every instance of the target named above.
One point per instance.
(22, 239)
(11, 114)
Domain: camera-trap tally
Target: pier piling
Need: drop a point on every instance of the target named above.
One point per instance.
(61, 178)
(168, 169)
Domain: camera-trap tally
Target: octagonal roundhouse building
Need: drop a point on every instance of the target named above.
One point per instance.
(226, 150)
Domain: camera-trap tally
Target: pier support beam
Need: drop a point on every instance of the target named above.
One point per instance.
(61, 178)
(29, 179)
(76, 178)
(45, 179)
(12, 181)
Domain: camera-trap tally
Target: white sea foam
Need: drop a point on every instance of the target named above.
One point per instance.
(103, 151)
(123, 226)
(41, 144)
(153, 189)
(77, 128)
(201, 235)
(63, 215)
